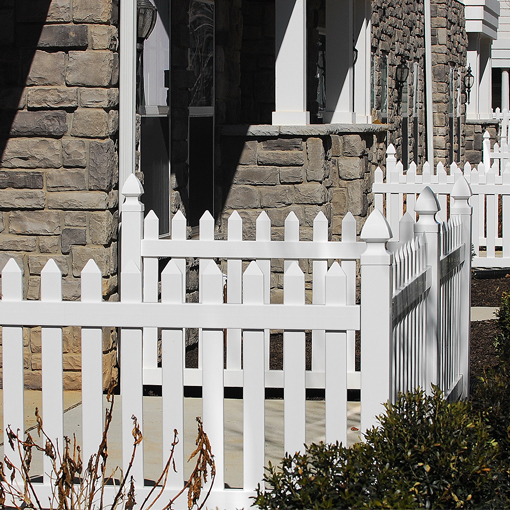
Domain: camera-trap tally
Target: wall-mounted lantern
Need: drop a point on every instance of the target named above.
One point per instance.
(146, 17)
(469, 81)
(401, 75)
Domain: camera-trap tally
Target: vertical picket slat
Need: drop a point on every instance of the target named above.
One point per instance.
(12, 363)
(291, 234)
(294, 366)
(263, 233)
(506, 214)
(131, 385)
(474, 201)
(234, 291)
(91, 365)
(172, 356)
(320, 268)
(349, 267)
(52, 366)
(491, 217)
(253, 392)
(393, 202)
(212, 372)
(150, 293)
(336, 361)
(379, 197)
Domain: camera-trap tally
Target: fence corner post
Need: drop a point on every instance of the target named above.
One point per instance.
(427, 206)
(376, 294)
(131, 230)
(461, 192)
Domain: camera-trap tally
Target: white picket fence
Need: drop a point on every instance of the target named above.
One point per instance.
(408, 301)
(490, 200)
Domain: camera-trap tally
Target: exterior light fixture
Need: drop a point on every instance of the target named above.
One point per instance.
(401, 73)
(469, 81)
(146, 20)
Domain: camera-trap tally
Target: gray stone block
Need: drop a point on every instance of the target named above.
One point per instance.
(20, 180)
(17, 243)
(249, 153)
(279, 215)
(315, 167)
(243, 197)
(45, 223)
(291, 175)
(90, 123)
(90, 68)
(351, 168)
(36, 263)
(98, 98)
(357, 202)
(82, 254)
(256, 175)
(59, 11)
(52, 98)
(336, 145)
(92, 200)
(101, 227)
(71, 289)
(353, 145)
(73, 236)
(64, 36)
(279, 196)
(6, 256)
(50, 124)
(103, 37)
(32, 153)
(102, 159)
(113, 122)
(66, 180)
(281, 158)
(50, 244)
(74, 153)
(309, 194)
(47, 69)
(22, 199)
(75, 218)
(282, 144)
(92, 11)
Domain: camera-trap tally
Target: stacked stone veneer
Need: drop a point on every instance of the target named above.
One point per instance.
(303, 174)
(58, 167)
(474, 138)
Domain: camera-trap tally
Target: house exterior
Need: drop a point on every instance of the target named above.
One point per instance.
(281, 105)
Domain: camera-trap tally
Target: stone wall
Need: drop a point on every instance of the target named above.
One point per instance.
(474, 138)
(58, 166)
(302, 173)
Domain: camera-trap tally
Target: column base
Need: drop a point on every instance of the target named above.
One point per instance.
(291, 118)
(339, 117)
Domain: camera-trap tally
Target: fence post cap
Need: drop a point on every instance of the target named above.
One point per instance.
(391, 150)
(376, 228)
(486, 134)
(132, 187)
(427, 202)
(461, 189)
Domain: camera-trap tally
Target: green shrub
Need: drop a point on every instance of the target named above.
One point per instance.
(502, 341)
(425, 453)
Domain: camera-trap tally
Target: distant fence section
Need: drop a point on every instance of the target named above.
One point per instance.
(412, 319)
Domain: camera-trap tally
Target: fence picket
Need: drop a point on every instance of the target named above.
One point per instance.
(12, 363)
(91, 365)
(294, 366)
(52, 367)
(253, 390)
(172, 360)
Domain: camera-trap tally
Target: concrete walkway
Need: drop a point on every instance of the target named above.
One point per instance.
(193, 407)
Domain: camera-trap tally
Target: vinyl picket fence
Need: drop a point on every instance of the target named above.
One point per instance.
(490, 186)
(413, 321)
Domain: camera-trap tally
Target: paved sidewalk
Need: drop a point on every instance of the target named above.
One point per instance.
(483, 313)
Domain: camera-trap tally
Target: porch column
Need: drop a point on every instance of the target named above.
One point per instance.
(290, 72)
(473, 58)
(485, 91)
(340, 58)
(505, 89)
(362, 34)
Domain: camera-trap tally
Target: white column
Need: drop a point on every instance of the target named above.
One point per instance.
(505, 89)
(290, 72)
(339, 62)
(473, 60)
(485, 93)
(362, 33)
(127, 89)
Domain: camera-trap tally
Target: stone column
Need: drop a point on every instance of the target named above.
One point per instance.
(340, 56)
(505, 89)
(290, 71)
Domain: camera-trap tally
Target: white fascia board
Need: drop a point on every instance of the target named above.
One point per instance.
(479, 27)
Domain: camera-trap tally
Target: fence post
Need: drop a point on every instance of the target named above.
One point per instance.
(131, 223)
(376, 290)
(427, 206)
(461, 192)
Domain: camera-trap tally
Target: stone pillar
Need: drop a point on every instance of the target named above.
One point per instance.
(340, 57)
(290, 72)
(505, 89)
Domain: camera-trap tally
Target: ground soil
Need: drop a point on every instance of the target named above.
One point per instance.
(485, 291)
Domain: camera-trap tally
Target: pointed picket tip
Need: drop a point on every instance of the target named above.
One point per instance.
(335, 270)
(349, 228)
(263, 217)
(427, 202)
(151, 216)
(206, 217)
(179, 216)
(496, 147)
(461, 189)
(399, 167)
(253, 270)
(454, 168)
(131, 268)
(378, 175)
(91, 267)
(376, 228)
(412, 168)
(51, 267)
(321, 217)
(291, 217)
(320, 227)
(263, 227)
(294, 269)
(407, 218)
(211, 269)
(426, 167)
(486, 134)
(440, 167)
(171, 269)
(467, 166)
(481, 167)
(132, 187)
(11, 267)
(235, 217)
(390, 151)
